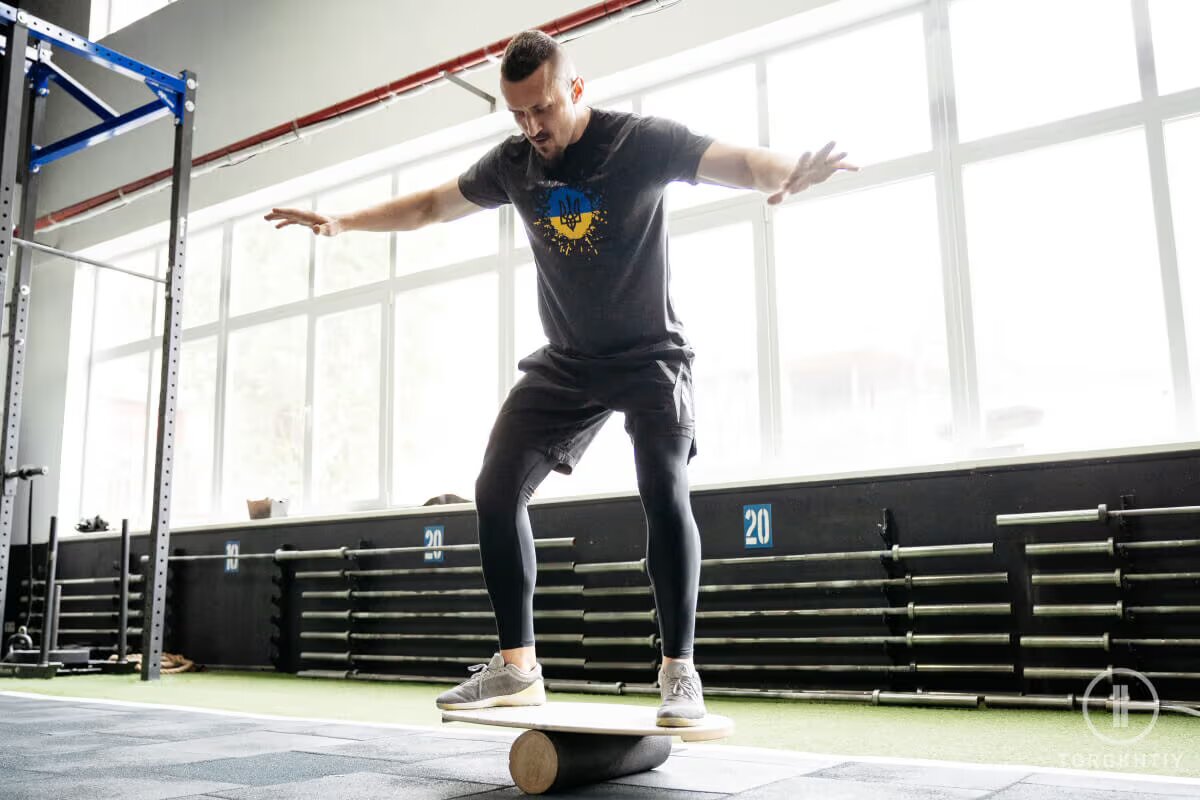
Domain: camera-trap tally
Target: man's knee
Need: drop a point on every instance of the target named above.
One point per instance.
(494, 493)
(661, 465)
(659, 483)
(507, 480)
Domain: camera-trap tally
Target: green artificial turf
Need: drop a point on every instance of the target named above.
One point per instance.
(996, 736)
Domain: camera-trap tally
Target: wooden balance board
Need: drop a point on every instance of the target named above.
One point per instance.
(569, 744)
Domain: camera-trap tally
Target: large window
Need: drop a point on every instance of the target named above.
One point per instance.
(195, 432)
(269, 267)
(473, 236)
(1183, 157)
(714, 289)
(445, 386)
(348, 372)
(1176, 57)
(265, 414)
(863, 369)
(114, 453)
(822, 92)
(722, 105)
(1056, 372)
(109, 16)
(1019, 63)
(527, 324)
(204, 259)
(124, 304)
(356, 258)
(607, 465)
(994, 283)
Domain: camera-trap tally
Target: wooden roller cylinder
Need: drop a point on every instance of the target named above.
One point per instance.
(546, 761)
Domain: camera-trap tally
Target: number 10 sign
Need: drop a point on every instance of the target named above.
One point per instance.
(756, 526)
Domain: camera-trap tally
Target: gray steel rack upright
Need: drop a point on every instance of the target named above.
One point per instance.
(26, 72)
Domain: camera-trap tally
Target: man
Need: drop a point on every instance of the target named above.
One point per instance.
(588, 185)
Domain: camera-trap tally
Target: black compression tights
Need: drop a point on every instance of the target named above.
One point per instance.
(502, 492)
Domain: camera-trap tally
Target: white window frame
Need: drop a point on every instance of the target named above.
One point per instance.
(945, 162)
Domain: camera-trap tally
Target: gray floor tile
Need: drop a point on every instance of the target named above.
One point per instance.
(277, 724)
(480, 732)
(178, 717)
(9, 776)
(833, 789)
(719, 776)
(84, 787)
(42, 745)
(358, 786)
(355, 732)
(59, 717)
(801, 762)
(925, 775)
(76, 730)
(1036, 791)
(1132, 784)
(413, 748)
(255, 743)
(10, 706)
(272, 768)
(489, 766)
(51, 705)
(177, 729)
(39, 701)
(150, 755)
(61, 750)
(59, 728)
(9, 761)
(604, 791)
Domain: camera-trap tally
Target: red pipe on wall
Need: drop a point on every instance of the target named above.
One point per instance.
(408, 83)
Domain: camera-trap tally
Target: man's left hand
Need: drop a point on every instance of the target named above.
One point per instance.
(811, 170)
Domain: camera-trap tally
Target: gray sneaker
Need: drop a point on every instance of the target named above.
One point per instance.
(682, 696)
(495, 684)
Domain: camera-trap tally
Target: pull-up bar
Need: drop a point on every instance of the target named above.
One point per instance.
(54, 251)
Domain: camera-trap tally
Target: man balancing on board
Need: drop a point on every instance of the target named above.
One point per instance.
(589, 186)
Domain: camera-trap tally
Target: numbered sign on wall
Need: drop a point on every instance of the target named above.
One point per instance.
(435, 536)
(756, 526)
(232, 550)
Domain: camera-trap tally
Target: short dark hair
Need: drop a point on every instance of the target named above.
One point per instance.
(526, 52)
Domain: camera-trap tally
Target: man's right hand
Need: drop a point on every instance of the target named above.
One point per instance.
(320, 224)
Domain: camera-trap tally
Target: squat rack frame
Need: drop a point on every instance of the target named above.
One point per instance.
(26, 72)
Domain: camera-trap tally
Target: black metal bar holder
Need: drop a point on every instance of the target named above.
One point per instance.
(123, 596)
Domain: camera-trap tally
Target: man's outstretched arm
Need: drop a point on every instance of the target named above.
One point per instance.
(767, 171)
(404, 213)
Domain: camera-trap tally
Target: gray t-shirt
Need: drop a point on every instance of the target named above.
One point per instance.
(598, 231)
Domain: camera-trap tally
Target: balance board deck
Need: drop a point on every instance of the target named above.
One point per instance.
(596, 718)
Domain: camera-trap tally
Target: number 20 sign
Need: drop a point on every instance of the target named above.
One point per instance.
(435, 536)
(756, 526)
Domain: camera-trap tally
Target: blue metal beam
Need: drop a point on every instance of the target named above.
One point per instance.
(153, 110)
(41, 30)
(74, 88)
(171, 101)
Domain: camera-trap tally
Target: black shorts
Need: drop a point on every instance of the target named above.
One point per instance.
(560, 403)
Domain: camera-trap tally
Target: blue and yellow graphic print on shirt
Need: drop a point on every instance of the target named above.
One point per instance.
(572, 221)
